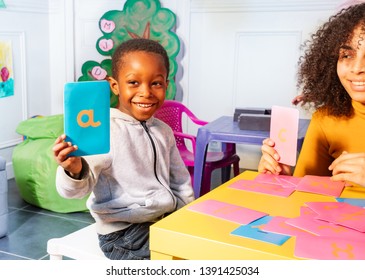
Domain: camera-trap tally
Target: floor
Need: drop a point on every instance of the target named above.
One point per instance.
(31, 227)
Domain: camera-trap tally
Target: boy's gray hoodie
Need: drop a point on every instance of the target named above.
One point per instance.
(142, 177)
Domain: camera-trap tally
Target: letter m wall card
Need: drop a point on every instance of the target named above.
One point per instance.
(87, 116)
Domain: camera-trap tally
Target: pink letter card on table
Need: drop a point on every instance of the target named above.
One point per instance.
(307, 212)
(278, 224)
(323, 228)
(284, 131)
(227, 211)
(320, 185)
(340, 213)
(288, 181)
(266, 188)
(328, 248)
(285, 181)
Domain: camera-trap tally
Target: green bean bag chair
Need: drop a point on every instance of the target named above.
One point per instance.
(35, 167)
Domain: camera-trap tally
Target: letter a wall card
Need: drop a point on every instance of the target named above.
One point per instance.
(138, 19)
(87, 116)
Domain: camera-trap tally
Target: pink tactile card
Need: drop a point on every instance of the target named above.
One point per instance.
(340, 213)
(266, 188)
(283, 180)
(278, 224)
(267, 178)
(227, 211)
(284, 131)
(328, 248)
(320, 185)
(307, 212)
(323, 206)
(289, 181)
(324, 228)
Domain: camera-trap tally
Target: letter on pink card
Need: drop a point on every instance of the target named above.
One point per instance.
(307, 212)
(328, 248)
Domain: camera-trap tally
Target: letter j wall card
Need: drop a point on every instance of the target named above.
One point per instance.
(87, 116)
(284, 131)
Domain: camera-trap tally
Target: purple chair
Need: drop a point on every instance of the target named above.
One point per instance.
(172, 113)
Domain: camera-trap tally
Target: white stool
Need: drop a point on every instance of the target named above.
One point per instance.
(79, 245)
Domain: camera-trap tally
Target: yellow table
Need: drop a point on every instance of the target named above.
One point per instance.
(190, 235)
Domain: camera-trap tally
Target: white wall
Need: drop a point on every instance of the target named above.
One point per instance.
(234, 53)
(25, 25)
(245, 53)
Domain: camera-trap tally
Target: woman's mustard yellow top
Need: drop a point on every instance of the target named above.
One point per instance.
(327, 137)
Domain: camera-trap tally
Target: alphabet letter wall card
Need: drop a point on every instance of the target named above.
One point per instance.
(87, 116)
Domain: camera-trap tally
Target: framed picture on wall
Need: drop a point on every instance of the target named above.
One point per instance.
(6, 69)
(13, 95)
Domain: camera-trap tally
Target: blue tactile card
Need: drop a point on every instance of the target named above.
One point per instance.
(253, 231)
(353, 201)
(87, 116)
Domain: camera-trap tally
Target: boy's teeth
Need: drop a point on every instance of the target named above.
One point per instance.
(144, 105)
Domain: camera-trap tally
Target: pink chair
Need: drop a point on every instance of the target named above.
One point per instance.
(172, 112)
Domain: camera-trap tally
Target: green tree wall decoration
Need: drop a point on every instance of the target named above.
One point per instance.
(139, 18)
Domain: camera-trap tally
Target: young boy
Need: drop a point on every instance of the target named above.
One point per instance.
(143, 177)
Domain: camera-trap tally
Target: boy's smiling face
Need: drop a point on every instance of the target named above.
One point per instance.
(141, 84)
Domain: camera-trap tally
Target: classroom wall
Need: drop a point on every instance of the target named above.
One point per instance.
(234, 53)
(25, 25)
(245, 53)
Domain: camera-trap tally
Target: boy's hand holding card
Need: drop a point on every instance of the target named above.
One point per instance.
(284, 131)
(87, 116)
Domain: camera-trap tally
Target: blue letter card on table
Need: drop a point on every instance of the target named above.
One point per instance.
(87, 116)
(253, 231)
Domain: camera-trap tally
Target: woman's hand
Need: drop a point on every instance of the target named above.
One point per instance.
(61, 151)
(269, 160)
(297, 99)
(349, 167)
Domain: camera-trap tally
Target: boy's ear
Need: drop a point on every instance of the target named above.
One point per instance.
(113, 85)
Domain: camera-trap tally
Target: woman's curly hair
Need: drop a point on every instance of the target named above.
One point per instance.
(317, 74)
